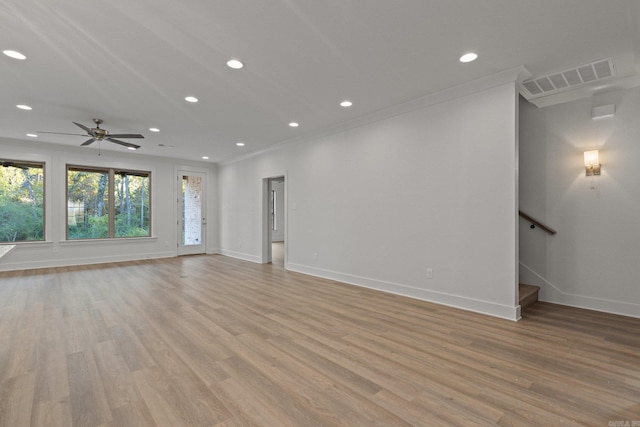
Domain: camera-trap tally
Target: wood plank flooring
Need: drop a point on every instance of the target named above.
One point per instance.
(213, 341)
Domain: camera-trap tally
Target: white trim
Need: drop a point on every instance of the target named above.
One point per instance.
(552, 293)
(68, 262)
(450, 300)
(512, 75)
(27, 243)
(241, 255)
(107, 241)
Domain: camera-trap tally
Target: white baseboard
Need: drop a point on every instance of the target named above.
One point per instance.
(552, 293)
(240, 255)
(470, 304)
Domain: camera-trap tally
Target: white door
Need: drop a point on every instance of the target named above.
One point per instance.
(192, 219)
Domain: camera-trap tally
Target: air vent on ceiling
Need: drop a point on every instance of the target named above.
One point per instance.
(567, 79)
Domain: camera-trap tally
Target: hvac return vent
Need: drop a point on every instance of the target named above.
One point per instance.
(555, 82)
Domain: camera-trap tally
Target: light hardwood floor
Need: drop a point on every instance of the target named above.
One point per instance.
(213, 341)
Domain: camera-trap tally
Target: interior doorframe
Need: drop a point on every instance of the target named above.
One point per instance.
(266, 254)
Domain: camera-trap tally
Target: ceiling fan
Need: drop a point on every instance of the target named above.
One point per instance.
(97, 134)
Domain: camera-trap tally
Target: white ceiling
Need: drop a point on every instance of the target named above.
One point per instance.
(132, 62)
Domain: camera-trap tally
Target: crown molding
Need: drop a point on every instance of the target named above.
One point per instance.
(513, 75)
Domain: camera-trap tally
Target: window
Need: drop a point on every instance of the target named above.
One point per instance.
(21, 201)
(105, 203)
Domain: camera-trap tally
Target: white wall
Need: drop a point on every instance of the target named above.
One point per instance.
(55, 251)
(377, 204)
(593, 260)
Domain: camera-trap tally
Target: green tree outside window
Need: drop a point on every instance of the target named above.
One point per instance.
(21, 201)
(107, 203)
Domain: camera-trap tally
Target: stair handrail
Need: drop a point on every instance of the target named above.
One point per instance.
(534, 222)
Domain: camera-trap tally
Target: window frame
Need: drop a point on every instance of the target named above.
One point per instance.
(43, 165)
(112, 172)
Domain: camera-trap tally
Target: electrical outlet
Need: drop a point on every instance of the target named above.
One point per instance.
(429, 273)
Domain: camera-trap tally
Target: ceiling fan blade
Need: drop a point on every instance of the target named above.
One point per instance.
(88, 141)
(125, 135)
(62, 133)
(83, 127)
(126, 144)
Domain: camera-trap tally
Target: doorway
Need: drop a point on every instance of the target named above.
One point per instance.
(191, 213)
(276, 204)
(274, 221)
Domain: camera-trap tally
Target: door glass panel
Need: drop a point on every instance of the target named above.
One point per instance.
(191, 210)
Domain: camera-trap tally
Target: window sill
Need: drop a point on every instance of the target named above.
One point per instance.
(29, 243)
(114, 241)
(5, 249)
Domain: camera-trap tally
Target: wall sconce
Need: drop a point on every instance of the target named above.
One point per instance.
(592, 162)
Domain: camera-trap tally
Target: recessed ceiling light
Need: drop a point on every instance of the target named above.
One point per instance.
(154, 129)
(468, 57)
(235, 64)
(240, 144)
(132, 148)
(191, 99)
(14, 54)
(205, 157)
(346, 103)
(24, 107)
(294, 124)
(32, 135)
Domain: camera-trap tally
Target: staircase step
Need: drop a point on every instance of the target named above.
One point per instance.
(528, 295)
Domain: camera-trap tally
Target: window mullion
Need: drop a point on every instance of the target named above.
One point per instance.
(112, 204)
